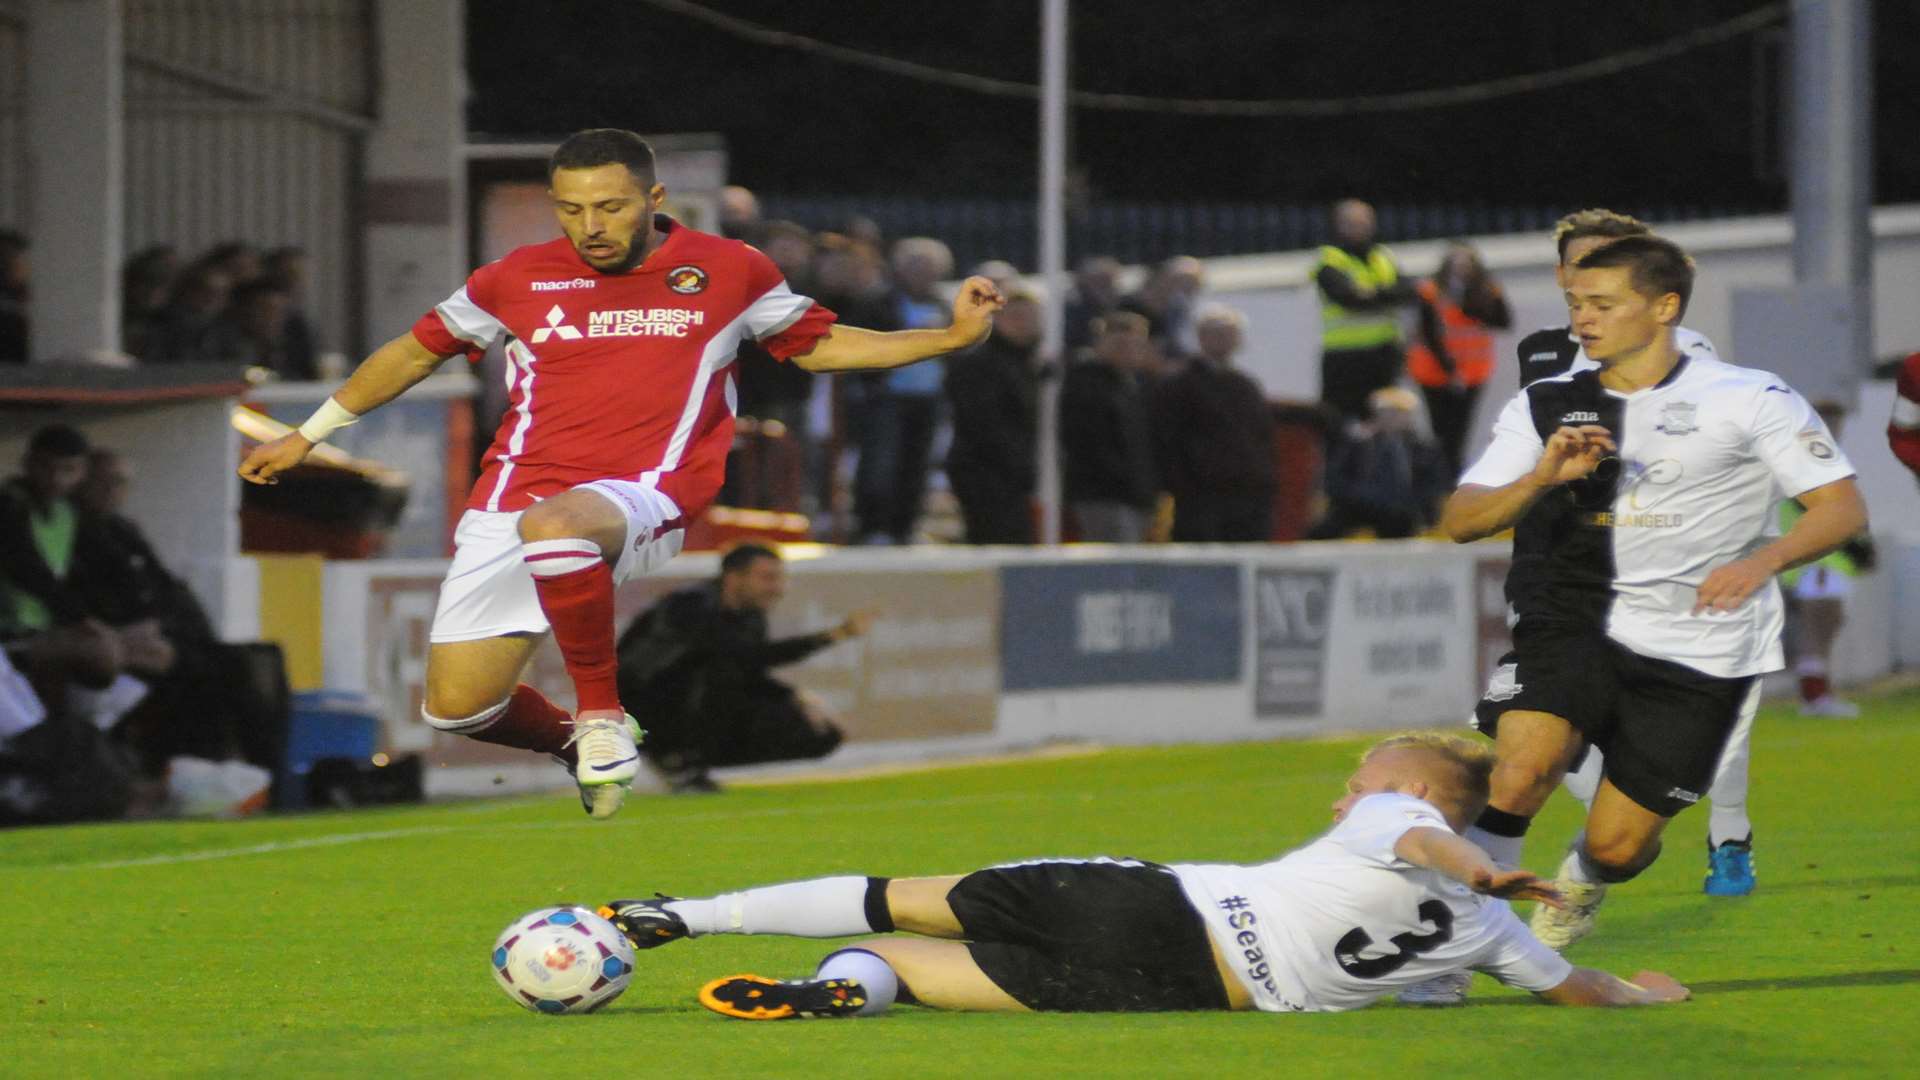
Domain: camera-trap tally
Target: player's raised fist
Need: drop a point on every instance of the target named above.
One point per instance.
(973, 310)
(270, 459)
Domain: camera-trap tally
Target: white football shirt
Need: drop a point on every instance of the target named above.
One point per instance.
(1693, 488)
(1344, 921)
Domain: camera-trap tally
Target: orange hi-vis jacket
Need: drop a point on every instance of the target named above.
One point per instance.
(1469, 342)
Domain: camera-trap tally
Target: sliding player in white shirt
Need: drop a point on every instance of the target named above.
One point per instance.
(1390, 897)
(1640, 492)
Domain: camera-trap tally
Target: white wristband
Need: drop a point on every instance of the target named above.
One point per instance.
(330, 417)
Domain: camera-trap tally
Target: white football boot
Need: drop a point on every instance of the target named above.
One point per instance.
(1830, 707)
(1559, 928)
(606, 746)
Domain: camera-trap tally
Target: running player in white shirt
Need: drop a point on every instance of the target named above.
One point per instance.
(1641, 494)
(1391, 896)
(1555, 351)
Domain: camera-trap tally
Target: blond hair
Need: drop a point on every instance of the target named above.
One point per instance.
(1582, 224)
(1471, 760)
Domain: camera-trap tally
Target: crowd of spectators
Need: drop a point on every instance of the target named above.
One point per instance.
(110, 669)
(1161, 435)
(232, 304)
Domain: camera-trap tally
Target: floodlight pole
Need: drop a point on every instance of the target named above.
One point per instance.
(1832, 161)
(1053, 256)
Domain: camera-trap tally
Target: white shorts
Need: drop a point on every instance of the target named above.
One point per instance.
(488, 590)
(1821, 583)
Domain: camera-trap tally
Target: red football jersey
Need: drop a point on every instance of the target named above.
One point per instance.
(1903, 427)
(619, 376)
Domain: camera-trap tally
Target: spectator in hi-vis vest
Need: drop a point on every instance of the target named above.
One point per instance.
(1452, 351)
(1361, 292)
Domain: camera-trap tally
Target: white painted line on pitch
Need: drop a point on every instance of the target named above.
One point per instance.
(274, 847)
(267, 848)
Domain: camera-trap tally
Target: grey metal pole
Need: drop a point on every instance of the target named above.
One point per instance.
(1831, 175)
(1053, 253)
(76, 174)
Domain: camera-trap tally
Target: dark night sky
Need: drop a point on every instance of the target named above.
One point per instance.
(1682, 131)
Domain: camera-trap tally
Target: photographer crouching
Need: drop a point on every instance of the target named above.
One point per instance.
(694, 670)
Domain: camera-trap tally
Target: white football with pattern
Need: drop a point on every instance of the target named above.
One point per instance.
(562, 960)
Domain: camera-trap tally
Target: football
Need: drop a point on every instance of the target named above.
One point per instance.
(562, 960)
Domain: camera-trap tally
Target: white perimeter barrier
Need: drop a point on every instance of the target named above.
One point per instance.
(980, 650)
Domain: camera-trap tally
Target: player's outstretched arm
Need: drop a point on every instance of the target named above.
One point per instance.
(1836, 513)
(1592, 987)
(1475, 511)
(380, 378)
(1462, 860)
(848, 348)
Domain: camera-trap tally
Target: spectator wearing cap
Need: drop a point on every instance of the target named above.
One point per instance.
(992, 395)
(1213, 439)
(1106, 441)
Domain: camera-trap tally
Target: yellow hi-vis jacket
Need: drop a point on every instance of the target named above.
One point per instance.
(1341, 328)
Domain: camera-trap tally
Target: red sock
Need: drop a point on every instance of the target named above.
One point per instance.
(1813, 688)
(576, 593)
(530, 722)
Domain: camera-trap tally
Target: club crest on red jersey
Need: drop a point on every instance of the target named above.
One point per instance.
(687, 280)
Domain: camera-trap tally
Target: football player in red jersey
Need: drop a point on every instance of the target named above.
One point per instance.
(620, 342)
(1903, 427)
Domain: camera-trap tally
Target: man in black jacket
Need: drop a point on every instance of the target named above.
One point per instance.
(1213, 438)
(695, 665)
(991, 462)
(1106, 441)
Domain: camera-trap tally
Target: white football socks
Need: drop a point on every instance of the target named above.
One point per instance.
(1504, 849)
(874, 975)
(1728, 794)
(820, 908)
(1582, 782)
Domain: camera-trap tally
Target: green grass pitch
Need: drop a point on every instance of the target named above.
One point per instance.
(355, 944)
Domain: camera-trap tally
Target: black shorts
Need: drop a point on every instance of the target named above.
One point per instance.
(1108, 936)
(1660, 724)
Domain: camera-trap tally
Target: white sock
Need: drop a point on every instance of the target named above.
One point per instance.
(1504, 849)
(873, 974)
(1574, 867)
(1726, 823)
(821, 908)
(1728, 793)
(1581, 783)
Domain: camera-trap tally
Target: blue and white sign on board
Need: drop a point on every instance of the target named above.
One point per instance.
(1104, 624)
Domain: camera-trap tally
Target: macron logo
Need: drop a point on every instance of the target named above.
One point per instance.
(556, 327)
(562, 286)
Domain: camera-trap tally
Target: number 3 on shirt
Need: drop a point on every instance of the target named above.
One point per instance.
(1346, 952)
